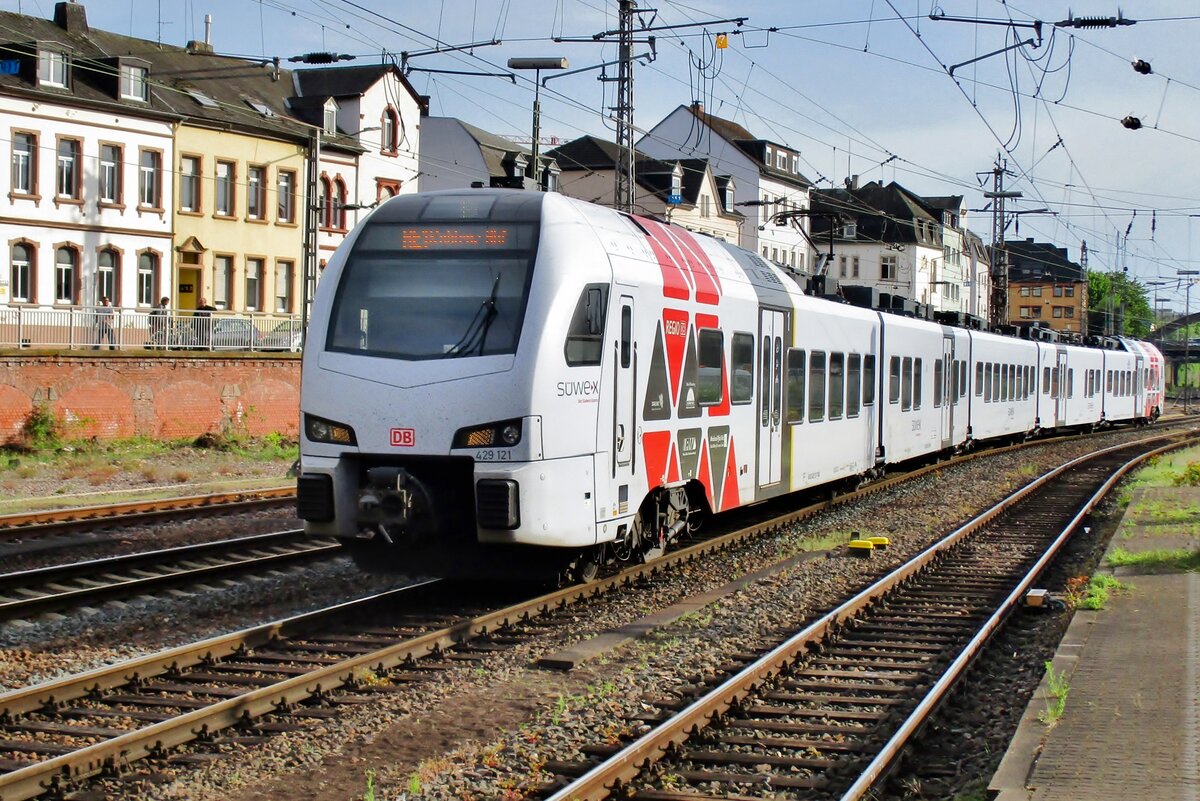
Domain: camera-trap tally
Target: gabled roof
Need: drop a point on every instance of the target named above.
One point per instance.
(194, 87)
(748, 143)
(1034, 262)
(888, 214)
(347, 81)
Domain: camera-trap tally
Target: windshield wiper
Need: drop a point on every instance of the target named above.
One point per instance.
(476, 333)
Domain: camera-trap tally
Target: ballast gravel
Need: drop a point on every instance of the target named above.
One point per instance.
(485, 730)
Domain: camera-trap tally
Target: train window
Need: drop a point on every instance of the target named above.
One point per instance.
(853, 384)
(1012, 382)
(894, 380)
(1070, 382)
(795, 385)
(953, 382)
(585, 334)
(1045, 380)
(916, 383)
(816, 386)
(777, 401)
(1005, 384)
(868, 380)
(1054, 387)
(1087, 383)
(837, 385)
(1031, 375)
(710, 364)
(995, 382)
(962, 378)
(741, 388)
(626, 335)
(906, 385)
(980, 371)
(987, 382)
(1019, 391)
(765, 394)
(939, 376)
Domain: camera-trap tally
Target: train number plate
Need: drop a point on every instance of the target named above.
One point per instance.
(403, 437)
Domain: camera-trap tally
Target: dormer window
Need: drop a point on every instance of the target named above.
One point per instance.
(729, 196)
(133, 82)
(329, 120)
(850, 229)
(550, 177)
(781, 160)
(52, 68)
(677, 181)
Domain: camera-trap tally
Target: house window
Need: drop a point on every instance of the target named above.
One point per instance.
(850, 229)
(1058, 291)
(133, 82)
(330, 118)
(1025, 311)
(1035, 291)
(887, 268)
(842, 266)
(254, 271)
(52, 68)
(676, 183)
(1058, 311)
(729, 197)
(326, 215)
(705, 211)
(338, 212)
(796, 164)
(189, 183)
(68, 172)
(1036, 311)
(110, 174)
(781, 160)
(389, 140)
(66, 261)
(222, 281)
(1069, 311)
(1069, 291)
(106, 274)
(147, 267)
(286, 196)
(854, 267)
(283, 286)
(764, 251)
(24, 164)
(256, 192)
(150, 179)
(224, 195)
(549, 182)
(21, 274)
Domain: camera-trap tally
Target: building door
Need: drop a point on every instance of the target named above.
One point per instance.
(187, 291)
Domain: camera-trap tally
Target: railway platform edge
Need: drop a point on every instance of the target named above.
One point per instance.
(1130, 729)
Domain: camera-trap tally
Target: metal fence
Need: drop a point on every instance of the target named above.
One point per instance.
(80, 328)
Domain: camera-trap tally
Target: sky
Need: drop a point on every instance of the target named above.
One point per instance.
(860, 87)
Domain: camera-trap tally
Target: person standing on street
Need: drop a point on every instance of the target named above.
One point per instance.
(202, 322)
(158, 324)
(104, 324)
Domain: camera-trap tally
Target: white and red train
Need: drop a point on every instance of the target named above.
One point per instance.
(539, 375)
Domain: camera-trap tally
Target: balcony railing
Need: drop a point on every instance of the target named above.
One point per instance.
(83, 328)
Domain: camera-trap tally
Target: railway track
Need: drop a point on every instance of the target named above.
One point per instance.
(28, 525)
(825, 713)
(30, 592)
(246, 685)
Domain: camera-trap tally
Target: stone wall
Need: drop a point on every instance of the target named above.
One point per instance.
(162, 397)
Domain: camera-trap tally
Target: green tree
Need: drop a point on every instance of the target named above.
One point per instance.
(1129, 306)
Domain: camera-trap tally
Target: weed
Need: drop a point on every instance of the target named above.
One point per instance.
(181, 476)
(102, 474)
(1075, 591)
(414, 784)
(1059, 687)
(369, 795)
(560, 710)
(41, 430)
(149, 474)
(1157, 559)
(1190, 477)
(1098, 587)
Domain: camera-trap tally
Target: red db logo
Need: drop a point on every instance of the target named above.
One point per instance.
(404, 437)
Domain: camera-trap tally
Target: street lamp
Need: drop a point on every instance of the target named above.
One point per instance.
(537, 64)
(1187, 339)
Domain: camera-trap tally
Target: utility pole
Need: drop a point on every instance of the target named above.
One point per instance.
(623, 189)
(999, 310)
(312, 222)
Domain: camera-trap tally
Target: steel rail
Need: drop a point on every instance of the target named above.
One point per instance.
(604, 779)
(56, 520)
(31, 781)
(237, 555)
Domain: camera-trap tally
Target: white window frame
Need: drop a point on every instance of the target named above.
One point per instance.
(134, 82)
(189, 183)
(110, 173)
(52, 68)
(24, 163)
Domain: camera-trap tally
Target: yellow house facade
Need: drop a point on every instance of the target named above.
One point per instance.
(239, 221)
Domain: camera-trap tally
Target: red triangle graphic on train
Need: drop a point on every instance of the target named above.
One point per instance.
(729, 493)
(673, 466)
(702, 471)
(656, 445)
(675, 335)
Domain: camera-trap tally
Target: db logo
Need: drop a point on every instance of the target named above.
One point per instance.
(404, 437)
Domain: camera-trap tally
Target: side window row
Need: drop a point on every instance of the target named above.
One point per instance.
(833, 385)
(904, 382)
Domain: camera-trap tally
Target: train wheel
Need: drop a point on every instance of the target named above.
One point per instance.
(586, 568)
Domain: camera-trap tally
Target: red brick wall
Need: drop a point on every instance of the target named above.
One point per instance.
(117, 396)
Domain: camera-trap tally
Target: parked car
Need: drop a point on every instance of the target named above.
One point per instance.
(230, 333)
(285, 336)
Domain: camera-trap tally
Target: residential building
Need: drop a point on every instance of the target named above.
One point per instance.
(456, 155)
(87, 196)
(1045, 286)
(886, 237)
(978, 294)
(370, 123)
(771, 189)
(705, 200)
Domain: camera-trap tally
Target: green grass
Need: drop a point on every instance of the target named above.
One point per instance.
(1059, 687)
(1161, 559)
(1098, 588)
(1171, 469)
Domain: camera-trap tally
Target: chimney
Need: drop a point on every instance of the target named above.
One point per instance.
(423, 101)
(206, 46)
(698, 107)
(71, 17)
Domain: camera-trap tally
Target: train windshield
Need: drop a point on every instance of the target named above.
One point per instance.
(434, 290)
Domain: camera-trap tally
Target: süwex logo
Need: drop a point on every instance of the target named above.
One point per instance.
(583, 389)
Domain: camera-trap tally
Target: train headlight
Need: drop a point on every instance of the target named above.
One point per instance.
(504, 434)
(320, 430)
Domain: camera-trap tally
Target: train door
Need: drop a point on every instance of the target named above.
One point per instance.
(943, 392)
(625, 394)
(1139, 398)
(771, 329)
(1060, 390)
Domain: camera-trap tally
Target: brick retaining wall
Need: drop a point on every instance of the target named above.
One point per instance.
(163, 397)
